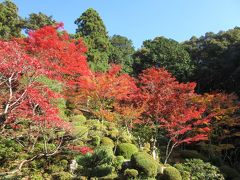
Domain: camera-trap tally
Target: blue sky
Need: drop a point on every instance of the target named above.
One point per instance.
(140, 20)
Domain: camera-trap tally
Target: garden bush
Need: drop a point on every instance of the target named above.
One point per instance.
(144, 163)
(198, 169)
(98, 164)
(105, 141)
(131, 173)
(185, 175)
(126, 150)
(78, 120)
(171, 173)
(95, 141)
(118, 162)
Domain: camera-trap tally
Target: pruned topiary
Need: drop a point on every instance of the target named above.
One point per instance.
(144, 163)
(126, 150)
(171, 173)
(105, 141)
(131, 173)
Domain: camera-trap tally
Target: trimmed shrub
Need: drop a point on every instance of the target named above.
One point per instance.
(98, 164)
(185, 175)
(124, 137)
(118, 161)
(80, 131)
(96, 141)
(102, 170)
(144, 163)
(229, 173)
(105, 141)
(131, 173)
(78, 120)
(126, 150)
(198, 169)
(114, 133)
(171, 173)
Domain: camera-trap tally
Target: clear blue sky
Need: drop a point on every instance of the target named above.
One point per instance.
(140, 20)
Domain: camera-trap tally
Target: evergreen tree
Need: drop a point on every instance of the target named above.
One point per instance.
(10, 22)
(121, 52)
(217, 60)
(36, 21)
(167, 53)
(92, 29)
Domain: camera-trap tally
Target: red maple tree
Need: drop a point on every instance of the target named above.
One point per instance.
(169, 106)
(45, 52)
(99, 92)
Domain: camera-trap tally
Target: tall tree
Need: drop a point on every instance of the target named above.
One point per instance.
(216, 57)
(10, 22)
(36, 21)
(92, 29)
(169, 107)
(121, 52)
(167, 53)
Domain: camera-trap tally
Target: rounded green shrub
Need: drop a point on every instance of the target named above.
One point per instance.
(144, 163)
(78, 120)
(126, 150)
(118, 161)
(125, 137)
(98, 164)
(185, 175)
(96, 141)
(229, 173)
(171, 173)
(105, 141)
(114, 133)
(131, 173)
(80, 131)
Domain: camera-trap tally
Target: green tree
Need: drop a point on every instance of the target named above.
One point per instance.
(36, 21)
(167, 53)
(121, 52)
(10, 22)
(92, 29)
(216, 57)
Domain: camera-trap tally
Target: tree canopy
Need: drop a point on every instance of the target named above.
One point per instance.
(92, 29)
(121, 52)
(10, 21)
(167, 53)
(38, 20)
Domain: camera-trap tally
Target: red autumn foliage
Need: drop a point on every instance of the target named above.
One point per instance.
(56, 51)
(108, 85)
(98, 92)
(46, 52)
(83, 150)
(169, 106)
